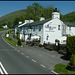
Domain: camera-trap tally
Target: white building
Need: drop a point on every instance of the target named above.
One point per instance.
(5, 26)
(49, 30)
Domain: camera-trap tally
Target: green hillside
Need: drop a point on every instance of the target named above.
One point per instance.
(70, 17)
(33, 11)
(11, 16)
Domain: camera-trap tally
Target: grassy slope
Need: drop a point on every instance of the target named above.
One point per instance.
(12, 16)
(12, 42)
(2, 29)
(70, 17)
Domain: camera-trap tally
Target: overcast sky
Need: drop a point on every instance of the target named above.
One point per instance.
(11, 6)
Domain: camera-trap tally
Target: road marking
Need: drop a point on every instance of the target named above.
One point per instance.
(1, 72)
(22, 53)
(1, 66)
(18, 51)
(33, 60)
(15, 49)
(12, 46)
(5, 41)
(43, 66)
(54, 72)
(27, 56)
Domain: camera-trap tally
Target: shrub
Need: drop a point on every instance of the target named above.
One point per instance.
(8, 32)
(10, 38)
(22, 40)
(16, 37)
(70, 44)
(57, 40)
(40, 45)
(33, 40)
(19, 42)
(50, 48)
(72, 60)
(13, 35)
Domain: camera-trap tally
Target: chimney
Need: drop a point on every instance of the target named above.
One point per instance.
(20, 22)
(42, 18)
(55, 14)
(26, 21)
(31, 21)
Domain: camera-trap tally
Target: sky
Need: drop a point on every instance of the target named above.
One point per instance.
(7, 7)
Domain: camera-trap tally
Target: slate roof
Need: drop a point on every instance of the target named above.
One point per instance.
(37, 23)
(70, 24)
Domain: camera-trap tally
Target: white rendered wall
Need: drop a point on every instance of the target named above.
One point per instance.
(72, 30)
(39, 33)
(55, 15)
(54, 33)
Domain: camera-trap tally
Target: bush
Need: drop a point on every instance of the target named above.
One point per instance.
(40, 45)
(8, 32)
(10, 38)
(57, 40)
(13, 35)
(72, 60)
(22, 40)
(70, 43)
(16, 37)
(19, 42)
(50, 48)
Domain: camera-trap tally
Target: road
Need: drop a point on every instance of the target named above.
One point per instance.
(15, 62)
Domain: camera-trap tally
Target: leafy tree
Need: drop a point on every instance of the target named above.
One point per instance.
(16, 21)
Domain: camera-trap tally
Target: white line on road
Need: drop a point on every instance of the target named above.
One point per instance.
(5, 72)
(43, 66)
(27, 56)
(54, 72)
(22, 53)
(15, 49)
(18, 51)
(33, 60)
(1, 72)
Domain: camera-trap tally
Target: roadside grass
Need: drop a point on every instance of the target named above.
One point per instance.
(61, 69)
(12, 42)
(2, 29)
(12, 31)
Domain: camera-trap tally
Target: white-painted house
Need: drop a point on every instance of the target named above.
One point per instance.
(5, 26)
(49, 30)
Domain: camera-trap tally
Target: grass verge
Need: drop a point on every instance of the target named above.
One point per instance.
(12, 42)
(2, 29)
(61, 68)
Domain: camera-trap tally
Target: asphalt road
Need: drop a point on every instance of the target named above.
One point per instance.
(16, 63)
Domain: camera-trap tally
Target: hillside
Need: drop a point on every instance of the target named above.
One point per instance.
(33, 11)
(70, 17)
(11, 16)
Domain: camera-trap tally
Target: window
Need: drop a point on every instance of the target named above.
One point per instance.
(58, 27)
(47, 37)
(64, 40)
(39, 28)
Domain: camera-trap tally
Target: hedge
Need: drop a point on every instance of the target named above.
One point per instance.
(70, 44)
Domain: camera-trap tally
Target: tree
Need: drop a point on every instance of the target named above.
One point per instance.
(16, 21)
(9, 24)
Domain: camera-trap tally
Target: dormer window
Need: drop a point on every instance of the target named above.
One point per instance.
(58, 27)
